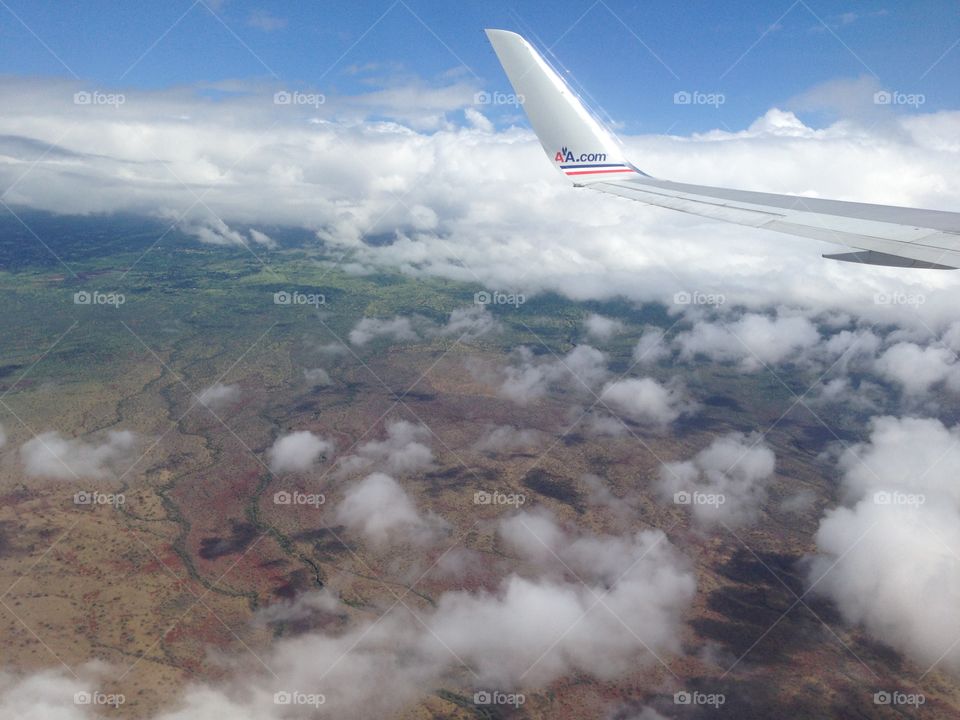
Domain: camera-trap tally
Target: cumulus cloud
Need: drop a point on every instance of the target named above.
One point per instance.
(528, 631)
(380, 509)
(302, 607)
(297, 451)
(753, 340)
(261, 238)
(599, 494)
(597, 423)
(49, 454)
(470, 323)
(894, 547)
(725, 482)
(214, 231)
(651, 347)
(601, 327)
(48, 693)
(917, 369)
(507, 438)
(317, 376)
(593, 586)
(530, 377)
(646, 401)
(218, 395)
(402, 451)
(398, 329)
(799, 502)
(465, 324)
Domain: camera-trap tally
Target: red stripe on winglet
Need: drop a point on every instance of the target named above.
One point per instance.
(598, 172)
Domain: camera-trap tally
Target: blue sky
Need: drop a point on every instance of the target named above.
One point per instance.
(631, 57)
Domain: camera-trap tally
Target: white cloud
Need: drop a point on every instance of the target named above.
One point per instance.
(46, 694)
(399, 329)
(478, 120)
(263, 20)
(530, 377)
(317, 376)
(725, 482)
(917, 369)
(302, 607)
(622, 508)
(634, 591)
(896, 546)
(647, 401)
(297, 451)
(601, 327)
(911, 454)
(402, 451)
(587, 365)
(754, 340)
(535, 535)
(219, 395)
(470, 323)
(261, 238)
(600, 424)
(651, 347)
(465, 324)
(381, 510)
(49, 454)
(799, 502)
(507, 438)
(214, 231)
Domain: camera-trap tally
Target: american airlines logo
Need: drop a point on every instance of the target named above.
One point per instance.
(565, 155)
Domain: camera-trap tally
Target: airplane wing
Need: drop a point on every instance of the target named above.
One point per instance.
(583, 150)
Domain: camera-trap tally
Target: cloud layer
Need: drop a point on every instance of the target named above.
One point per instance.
(470, 202)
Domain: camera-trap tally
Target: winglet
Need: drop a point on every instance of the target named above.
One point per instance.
(573, 139)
